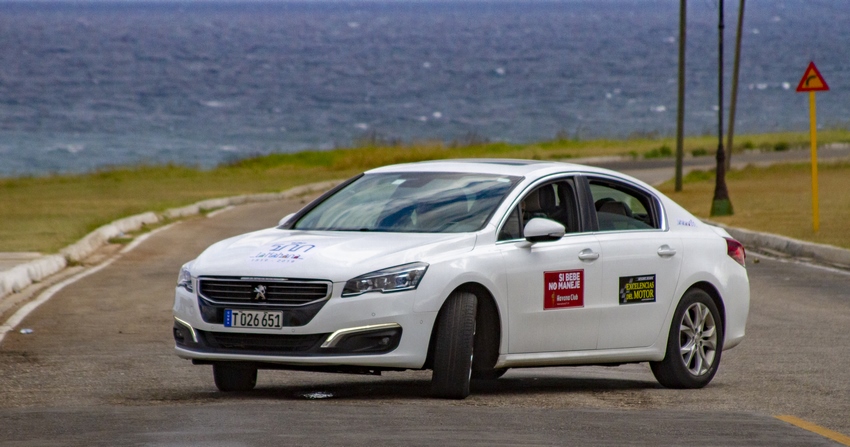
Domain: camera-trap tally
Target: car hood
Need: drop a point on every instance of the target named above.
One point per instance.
(326, 255)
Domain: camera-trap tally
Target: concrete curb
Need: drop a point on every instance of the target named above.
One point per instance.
(98, 238)
(23, 275)
(773, 243)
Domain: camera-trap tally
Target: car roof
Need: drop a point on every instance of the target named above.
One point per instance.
(496, 166)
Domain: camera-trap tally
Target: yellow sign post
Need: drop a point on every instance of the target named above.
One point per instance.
(813, 82)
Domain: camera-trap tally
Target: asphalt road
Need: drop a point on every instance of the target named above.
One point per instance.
(98, 369)
(659, 170)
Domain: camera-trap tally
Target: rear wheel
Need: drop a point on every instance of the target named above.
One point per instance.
(453, 346)
(694, 344)
(234, 377)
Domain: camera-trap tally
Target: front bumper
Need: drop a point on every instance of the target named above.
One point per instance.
(373, 330)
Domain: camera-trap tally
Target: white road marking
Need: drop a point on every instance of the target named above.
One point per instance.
(24, 311)
(219, 211)
(787, 260)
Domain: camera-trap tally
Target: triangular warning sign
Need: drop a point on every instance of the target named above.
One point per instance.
(812, 81)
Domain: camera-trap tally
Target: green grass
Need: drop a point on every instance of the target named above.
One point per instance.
(777, 199)
(45, 214)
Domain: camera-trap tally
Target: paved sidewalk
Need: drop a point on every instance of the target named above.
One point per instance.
(19, 270)
(22, 271)
(659, 170)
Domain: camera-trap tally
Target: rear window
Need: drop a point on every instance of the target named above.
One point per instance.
(619, 207)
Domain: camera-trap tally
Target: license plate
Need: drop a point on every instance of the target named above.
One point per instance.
(253, 319)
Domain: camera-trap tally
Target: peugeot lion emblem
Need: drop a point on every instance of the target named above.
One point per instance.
(260, 291)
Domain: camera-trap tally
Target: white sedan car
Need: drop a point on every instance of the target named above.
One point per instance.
(468, 268)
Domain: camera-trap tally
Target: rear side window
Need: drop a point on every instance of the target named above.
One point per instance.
(620, 207)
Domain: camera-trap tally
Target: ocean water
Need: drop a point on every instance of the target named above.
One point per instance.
(88, 85)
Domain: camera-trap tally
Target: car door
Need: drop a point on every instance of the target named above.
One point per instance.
(641, 263)
(552, 286)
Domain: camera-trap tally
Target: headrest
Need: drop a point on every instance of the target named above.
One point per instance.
(541, 199)
(532, 202)
(547, 197)
(614, 207)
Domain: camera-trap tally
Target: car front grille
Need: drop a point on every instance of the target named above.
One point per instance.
(263, 291)
(271, 343)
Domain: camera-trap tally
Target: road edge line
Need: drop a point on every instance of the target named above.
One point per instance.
(19, 316)
(24, 275)
(814, 428)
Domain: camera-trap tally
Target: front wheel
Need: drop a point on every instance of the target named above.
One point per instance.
(453, 346)
(234, 377)
(694, 344)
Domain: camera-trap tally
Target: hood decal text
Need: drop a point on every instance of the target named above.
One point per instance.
(283, 253)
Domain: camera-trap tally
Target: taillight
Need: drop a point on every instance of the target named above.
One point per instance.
(735, 250)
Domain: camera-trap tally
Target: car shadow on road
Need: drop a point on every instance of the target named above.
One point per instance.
(406, 390)
(508, 386)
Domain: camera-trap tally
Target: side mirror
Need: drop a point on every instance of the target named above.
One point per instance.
(542, 230)
(283, 221)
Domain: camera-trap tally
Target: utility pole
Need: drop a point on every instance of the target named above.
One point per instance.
(720, 205)
(680, 109)
(735, 74)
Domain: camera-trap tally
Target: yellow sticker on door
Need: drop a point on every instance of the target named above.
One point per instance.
(637, 289)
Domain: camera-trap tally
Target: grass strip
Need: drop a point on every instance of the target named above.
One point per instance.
(45, 214)
(776, 199)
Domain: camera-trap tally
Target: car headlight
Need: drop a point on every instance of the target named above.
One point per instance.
(184, 279)
(393, 279)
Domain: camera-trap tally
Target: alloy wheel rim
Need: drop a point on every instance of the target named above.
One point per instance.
(698, 339)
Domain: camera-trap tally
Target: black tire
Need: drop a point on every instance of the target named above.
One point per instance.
(486, 346)
(234, 377)
(694, 344)
(453, 346)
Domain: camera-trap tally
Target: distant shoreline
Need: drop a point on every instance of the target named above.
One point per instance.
(47, 213)
(90, 85)
(377, 148)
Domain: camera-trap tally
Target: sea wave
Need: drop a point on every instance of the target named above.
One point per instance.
(90, 84)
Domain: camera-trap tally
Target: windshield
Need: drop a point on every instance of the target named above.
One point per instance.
(421, 202)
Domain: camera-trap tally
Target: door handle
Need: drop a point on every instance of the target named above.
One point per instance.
(588, 255)
(665, 251)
